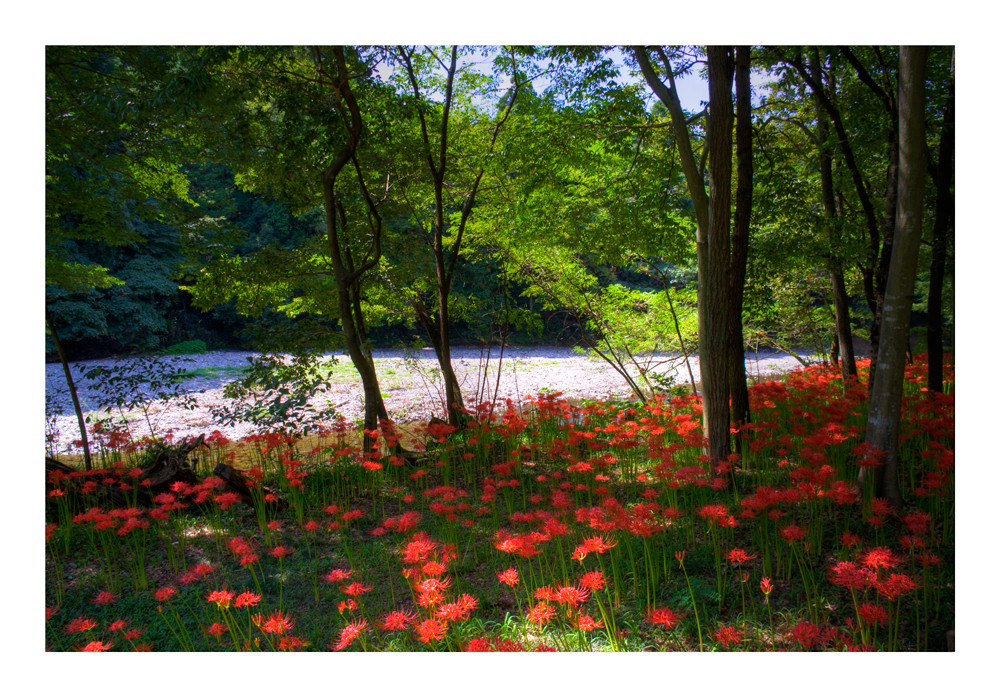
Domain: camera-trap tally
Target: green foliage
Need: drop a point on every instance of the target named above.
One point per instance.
(140, 383)
(275, 394)
(186, 347)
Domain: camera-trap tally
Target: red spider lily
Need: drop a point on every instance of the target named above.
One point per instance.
(97, 646)
(739, 556)
(727, 635)
(291, 643)
(276, 623)
(355, 588)
(850, 575)
(226, 500)
(587, 623)
(162, 595)
(397, 620)
(80, 624)
(896, 586)
(880, 558)
(509, 577)
(105, 598)
(338, 575)
(571, 595)
(593, 580)
(349, 633)
(221, 598)
(870, 613)
(765, 586)
(541, 613)
(431, 629)
(280, 552)
(806, 633)
(247, 599)
(663, 616)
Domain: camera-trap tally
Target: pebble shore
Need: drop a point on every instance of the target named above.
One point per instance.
(411, 385)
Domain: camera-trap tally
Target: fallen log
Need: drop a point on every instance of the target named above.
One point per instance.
(235, 481)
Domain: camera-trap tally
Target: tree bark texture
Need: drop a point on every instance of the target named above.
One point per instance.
(738, 392)
(943, 220)
(886, 392)
(713, 337)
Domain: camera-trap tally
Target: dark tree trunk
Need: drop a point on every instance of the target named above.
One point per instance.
(713, 338)
(346, 275)
(72, 391)
(738, 393)
(885, 399)
(943, 219)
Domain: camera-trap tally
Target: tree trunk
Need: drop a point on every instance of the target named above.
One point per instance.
(943, 218)
(738, 392)
(72, 391)
(841, 306)
(713, 339)
(885, 399)
(346, 276)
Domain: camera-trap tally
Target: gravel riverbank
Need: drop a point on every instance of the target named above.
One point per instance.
(411, 385)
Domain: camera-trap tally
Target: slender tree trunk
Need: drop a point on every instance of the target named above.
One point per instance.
(738, 392)
(943, 218)
(713, 340)
(72, 391)
(841, 305)
(886, 392)
(346, 276)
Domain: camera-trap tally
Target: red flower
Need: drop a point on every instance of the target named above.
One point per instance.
(895, 586)
(663, 616)
(277, 623)
(793, 533)
(880, 558)
(221, 598)
(338, 575)
(509, 577)
(739, 556)
(356, 588)
(397, 620)
(218, 629)
(291, 643)
(96, 646)
(870, 613)
(105, 598)
(117, 625)
(765, 586)
(848, 575)
(593, 580)
(542, 613)
(727, 635)
(162, 595)
(80, 624)
(247, 599)
(806, 633)
(349, 633)
(431, 629)
(226, 500)
(280, 551)
(571, 595)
